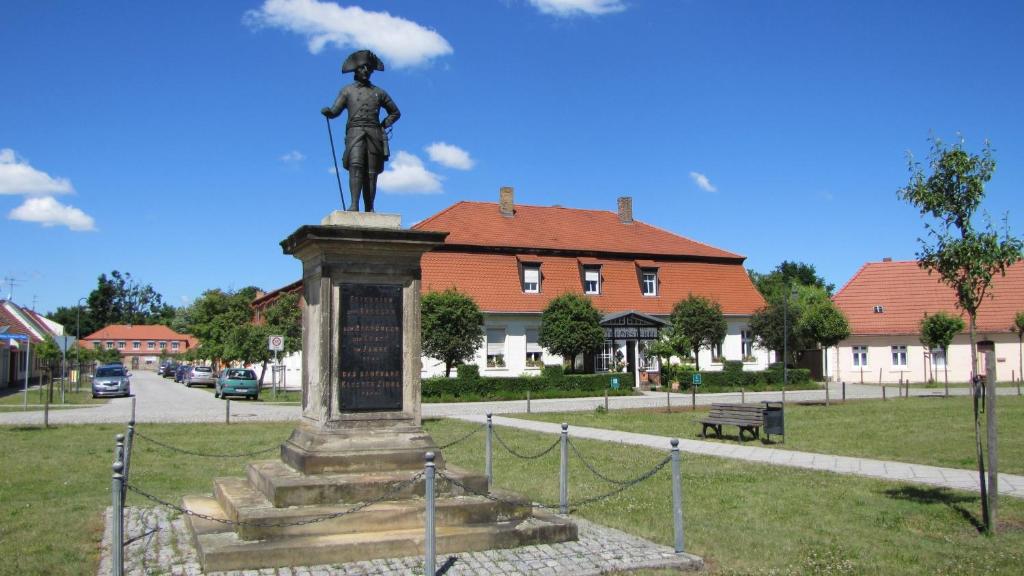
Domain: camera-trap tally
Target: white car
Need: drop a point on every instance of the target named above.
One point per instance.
(200, 375)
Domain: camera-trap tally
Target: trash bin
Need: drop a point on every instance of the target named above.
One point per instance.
(774, 419)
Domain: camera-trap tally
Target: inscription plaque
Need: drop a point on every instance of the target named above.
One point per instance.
(370, 362)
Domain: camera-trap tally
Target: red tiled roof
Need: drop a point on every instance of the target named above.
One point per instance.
(481, 224)
(906, 292)
(136, 332)
(16, 326)
(494, 283)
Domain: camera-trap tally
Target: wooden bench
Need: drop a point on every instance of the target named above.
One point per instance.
(748, 417)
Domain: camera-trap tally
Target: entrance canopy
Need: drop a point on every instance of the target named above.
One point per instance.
(631, 326)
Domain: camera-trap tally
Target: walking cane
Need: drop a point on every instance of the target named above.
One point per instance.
(334, 156)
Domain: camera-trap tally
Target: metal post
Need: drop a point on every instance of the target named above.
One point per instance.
(131, 422)
(993, 453)
(693, 398)
(489, 458)
(844, 390)
(128, 442)
(28, 365)
(117, 521)
(677, 497)
(668, 401)
(227, 410)
(563, 472)
(527, 401)
(606, 399)
(826, 394)
(743, 396)
(429, 544)
(119, 448)
(883, 391)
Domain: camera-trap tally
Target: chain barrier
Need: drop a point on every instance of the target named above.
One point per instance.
(525, 456)
(202, 454)
(387, 494)
(491, 497)
(592, 469)
(463, 438)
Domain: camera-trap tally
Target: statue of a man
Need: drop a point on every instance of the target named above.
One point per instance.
(366, 146)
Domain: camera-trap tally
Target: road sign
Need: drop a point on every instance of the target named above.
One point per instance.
(696, 378)
(276, 343)
(615, 383)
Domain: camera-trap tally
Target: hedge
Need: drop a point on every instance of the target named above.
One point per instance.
(469, 382)
(733, 376)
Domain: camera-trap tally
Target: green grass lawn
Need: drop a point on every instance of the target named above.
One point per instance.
(15, 400)
(935, 431)
(743, 518)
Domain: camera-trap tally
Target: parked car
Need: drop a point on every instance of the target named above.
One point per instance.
(200, 375)
(167, 369)
(111, 380)
(180, 372)
(237, 382)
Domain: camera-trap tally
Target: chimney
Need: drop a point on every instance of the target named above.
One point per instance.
(626, 209)
(506, 202)
(887, 259)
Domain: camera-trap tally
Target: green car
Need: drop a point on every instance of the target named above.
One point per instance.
(237, 382)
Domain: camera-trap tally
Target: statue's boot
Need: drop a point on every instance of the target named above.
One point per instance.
(371, 192)
(355, 184)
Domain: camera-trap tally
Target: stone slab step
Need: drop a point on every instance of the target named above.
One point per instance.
(225, 551)
(285, 486)
(238, 501)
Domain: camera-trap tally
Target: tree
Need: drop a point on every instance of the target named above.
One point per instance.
(120, 299)
(701, 321)
(777, 325)
(938, 331)
(787, 274)
(825, 324)
(569, 326)
(966, 258)
(450, 327)
(213, 318)
(1018, 328)
(670, 343)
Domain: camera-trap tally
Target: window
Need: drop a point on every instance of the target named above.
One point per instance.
(533, 350)
(174, 345)
(649, 282)
(592, 280)
(136, 345)
(110, 345)
(120, 344)
(747, 343)
(496, 348)
(899, 355)
(531, 278)
(163, 345)
(150, 345)
(860, 355)
(605, 360)
(938, 358)
(97, 345)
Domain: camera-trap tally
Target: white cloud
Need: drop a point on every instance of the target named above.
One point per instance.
(702, 182)
(18, 177)
(398, 41)
(450, 156)
(292, 157)
(574, 7)
(406, 175)
(49, 212)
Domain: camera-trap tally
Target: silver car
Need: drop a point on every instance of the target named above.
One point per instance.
(200, 375)
(111, 380)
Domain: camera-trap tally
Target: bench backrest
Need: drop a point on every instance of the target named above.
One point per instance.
(746, 412)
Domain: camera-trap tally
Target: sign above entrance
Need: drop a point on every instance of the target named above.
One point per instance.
(630, 333)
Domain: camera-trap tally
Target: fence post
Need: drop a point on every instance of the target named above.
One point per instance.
(693, 398)
(743, 396)
(668, 401)
(429, 544)
(527, 401)
(490, 453)
(563, 472)
(128, 442)
(227, 410)
(826, 394)
(606, 399)
(677, 497)
(119, 448)
(132, 420)
(117, 521)
(844, 390)
(883, 391)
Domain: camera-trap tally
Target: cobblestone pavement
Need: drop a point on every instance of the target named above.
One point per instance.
(158, 542)
(1009, 484)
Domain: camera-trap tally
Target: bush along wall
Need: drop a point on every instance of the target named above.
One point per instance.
(553, 382)
(732, 378)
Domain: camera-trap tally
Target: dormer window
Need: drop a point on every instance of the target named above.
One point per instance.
(592, 280)
(879, 309)
(649, 282)
(531, 278)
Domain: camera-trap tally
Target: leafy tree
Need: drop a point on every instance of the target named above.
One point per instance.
(569, 326)
(214, 316)
(965, 257)
(777, 326)
(120, 299)
(938, 331)
(670, 343)
(1018, 328)
(247, 342)
(787, 274)
(451, 324)
(701, 322)
(825, 324)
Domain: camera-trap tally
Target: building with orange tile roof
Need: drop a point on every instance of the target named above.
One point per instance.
(885, 303)
(20, 329)
(513, 260)
(141, 346)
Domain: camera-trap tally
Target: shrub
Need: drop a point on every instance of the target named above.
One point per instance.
(467, 371)
(553, 372)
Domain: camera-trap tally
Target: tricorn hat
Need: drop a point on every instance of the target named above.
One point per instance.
(359, 57)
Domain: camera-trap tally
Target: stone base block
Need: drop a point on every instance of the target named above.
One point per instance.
(362, 219)
(368, 448)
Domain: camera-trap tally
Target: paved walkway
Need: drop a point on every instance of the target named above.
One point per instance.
(1009, 484)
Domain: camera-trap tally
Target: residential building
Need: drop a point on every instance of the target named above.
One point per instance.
(513, 260)
(20, 330)
(885, 303)
(140, 346)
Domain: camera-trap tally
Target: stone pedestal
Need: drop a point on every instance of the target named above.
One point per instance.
(360, 438)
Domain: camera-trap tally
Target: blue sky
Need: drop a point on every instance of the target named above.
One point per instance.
(182, 141)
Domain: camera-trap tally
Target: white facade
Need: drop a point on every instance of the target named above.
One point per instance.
(881, 359)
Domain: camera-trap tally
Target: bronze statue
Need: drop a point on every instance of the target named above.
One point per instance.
(366, 144)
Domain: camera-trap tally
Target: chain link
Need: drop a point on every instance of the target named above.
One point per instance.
(525, 456)
(642, 478)
(387, 494)
(593, 470)
(489, 496)
(463, 438)
(205, 455)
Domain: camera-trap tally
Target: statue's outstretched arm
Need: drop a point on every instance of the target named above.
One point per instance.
(334, 110)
